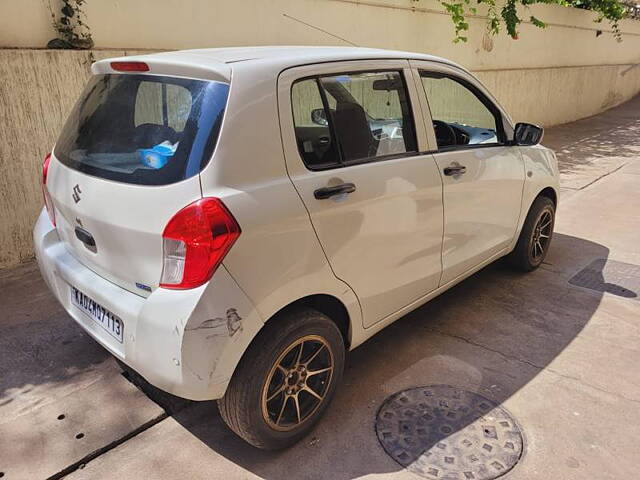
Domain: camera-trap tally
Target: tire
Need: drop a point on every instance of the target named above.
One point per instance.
(529, 255)
(273, 424)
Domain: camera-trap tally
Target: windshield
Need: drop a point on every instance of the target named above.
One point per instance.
(143, 129)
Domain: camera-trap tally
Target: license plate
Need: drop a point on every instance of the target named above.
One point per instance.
(107, 320)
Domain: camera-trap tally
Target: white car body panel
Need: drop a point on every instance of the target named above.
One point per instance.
(482, 207)
(384, 239)
(179, 340)
(541, 170)
(277, 258)
(378, 252)
(125, 220)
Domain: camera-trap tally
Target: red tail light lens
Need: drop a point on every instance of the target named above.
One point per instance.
(48, 203)
(130, 66)
(195, 241)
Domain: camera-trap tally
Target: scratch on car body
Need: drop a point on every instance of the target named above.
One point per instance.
(228, 326)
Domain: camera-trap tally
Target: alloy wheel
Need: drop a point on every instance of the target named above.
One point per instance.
(541, 236)
(297, 383)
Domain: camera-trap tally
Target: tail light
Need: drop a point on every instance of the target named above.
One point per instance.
(48, 203)
(195, 241)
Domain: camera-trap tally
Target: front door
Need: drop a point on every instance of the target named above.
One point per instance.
(351, 143)
(483, 176)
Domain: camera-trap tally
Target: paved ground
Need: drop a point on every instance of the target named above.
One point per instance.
(561, 358)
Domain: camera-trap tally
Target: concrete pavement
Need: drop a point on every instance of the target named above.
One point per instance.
(62, 397)
(559, 357)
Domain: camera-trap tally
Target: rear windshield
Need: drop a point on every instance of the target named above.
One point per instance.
(143, 129)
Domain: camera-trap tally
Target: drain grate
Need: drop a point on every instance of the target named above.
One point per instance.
(610, 276)
(440, 431)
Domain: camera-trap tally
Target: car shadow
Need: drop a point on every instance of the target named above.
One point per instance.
(492, 334)
(39, 345)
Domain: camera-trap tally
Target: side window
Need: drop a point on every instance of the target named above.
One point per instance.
(460, 116)
(313, 135)
(352, 117)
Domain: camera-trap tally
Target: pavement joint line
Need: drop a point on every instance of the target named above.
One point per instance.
(592, 181)
(531, 364)
(484, 347)
(106, 448)
(602, 176)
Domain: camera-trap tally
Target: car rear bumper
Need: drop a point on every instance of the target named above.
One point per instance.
(186, 342)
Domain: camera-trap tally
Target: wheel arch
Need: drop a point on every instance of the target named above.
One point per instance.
(327, 304)
(548, 192)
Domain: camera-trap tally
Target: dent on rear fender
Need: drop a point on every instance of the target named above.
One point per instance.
(219, 330)
(206, 339)
(212, 347)
(220, 327)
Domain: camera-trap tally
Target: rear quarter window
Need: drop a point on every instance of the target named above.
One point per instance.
(143, 129)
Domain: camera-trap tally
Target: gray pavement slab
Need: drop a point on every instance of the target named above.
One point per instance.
(560, 358)
(50, 368)
(49, 438)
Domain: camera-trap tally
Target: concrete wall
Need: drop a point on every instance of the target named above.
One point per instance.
(37, 90)
(549, 76)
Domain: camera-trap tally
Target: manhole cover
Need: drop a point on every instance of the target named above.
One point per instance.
(611, 276)
(441, 432)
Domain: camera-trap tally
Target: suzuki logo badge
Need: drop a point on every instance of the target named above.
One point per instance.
(76, 193)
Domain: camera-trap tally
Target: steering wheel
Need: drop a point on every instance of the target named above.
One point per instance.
(445, 134)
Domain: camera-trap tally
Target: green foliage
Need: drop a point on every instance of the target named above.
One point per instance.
(505, 15)
(457, 12)
(537, 22)
(73, 32)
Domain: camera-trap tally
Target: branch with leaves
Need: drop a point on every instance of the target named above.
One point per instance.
(507, 15)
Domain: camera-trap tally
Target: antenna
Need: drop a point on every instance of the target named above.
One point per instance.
(320, 29)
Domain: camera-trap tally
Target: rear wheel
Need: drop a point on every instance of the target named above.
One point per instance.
(285, 380)
(535, 237)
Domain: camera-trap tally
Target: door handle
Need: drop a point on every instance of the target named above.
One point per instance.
(85, 237)
(454, 170)
(326, 192)
(324, 140)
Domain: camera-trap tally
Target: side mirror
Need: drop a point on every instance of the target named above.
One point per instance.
(319, 117)
(527, 134)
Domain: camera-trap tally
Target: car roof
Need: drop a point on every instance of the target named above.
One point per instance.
(306, 54)
(266, 59)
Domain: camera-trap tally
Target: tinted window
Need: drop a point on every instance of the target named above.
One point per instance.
(460, 115)
(352, 117)
(143, 129)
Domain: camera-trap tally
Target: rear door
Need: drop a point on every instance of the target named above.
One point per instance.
(483, 175)
(126, 161)
(352, 141)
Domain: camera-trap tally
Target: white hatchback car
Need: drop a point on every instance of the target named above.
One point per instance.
(229, 222)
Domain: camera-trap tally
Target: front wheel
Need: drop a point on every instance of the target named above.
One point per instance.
(535, 237)
(285, 380)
